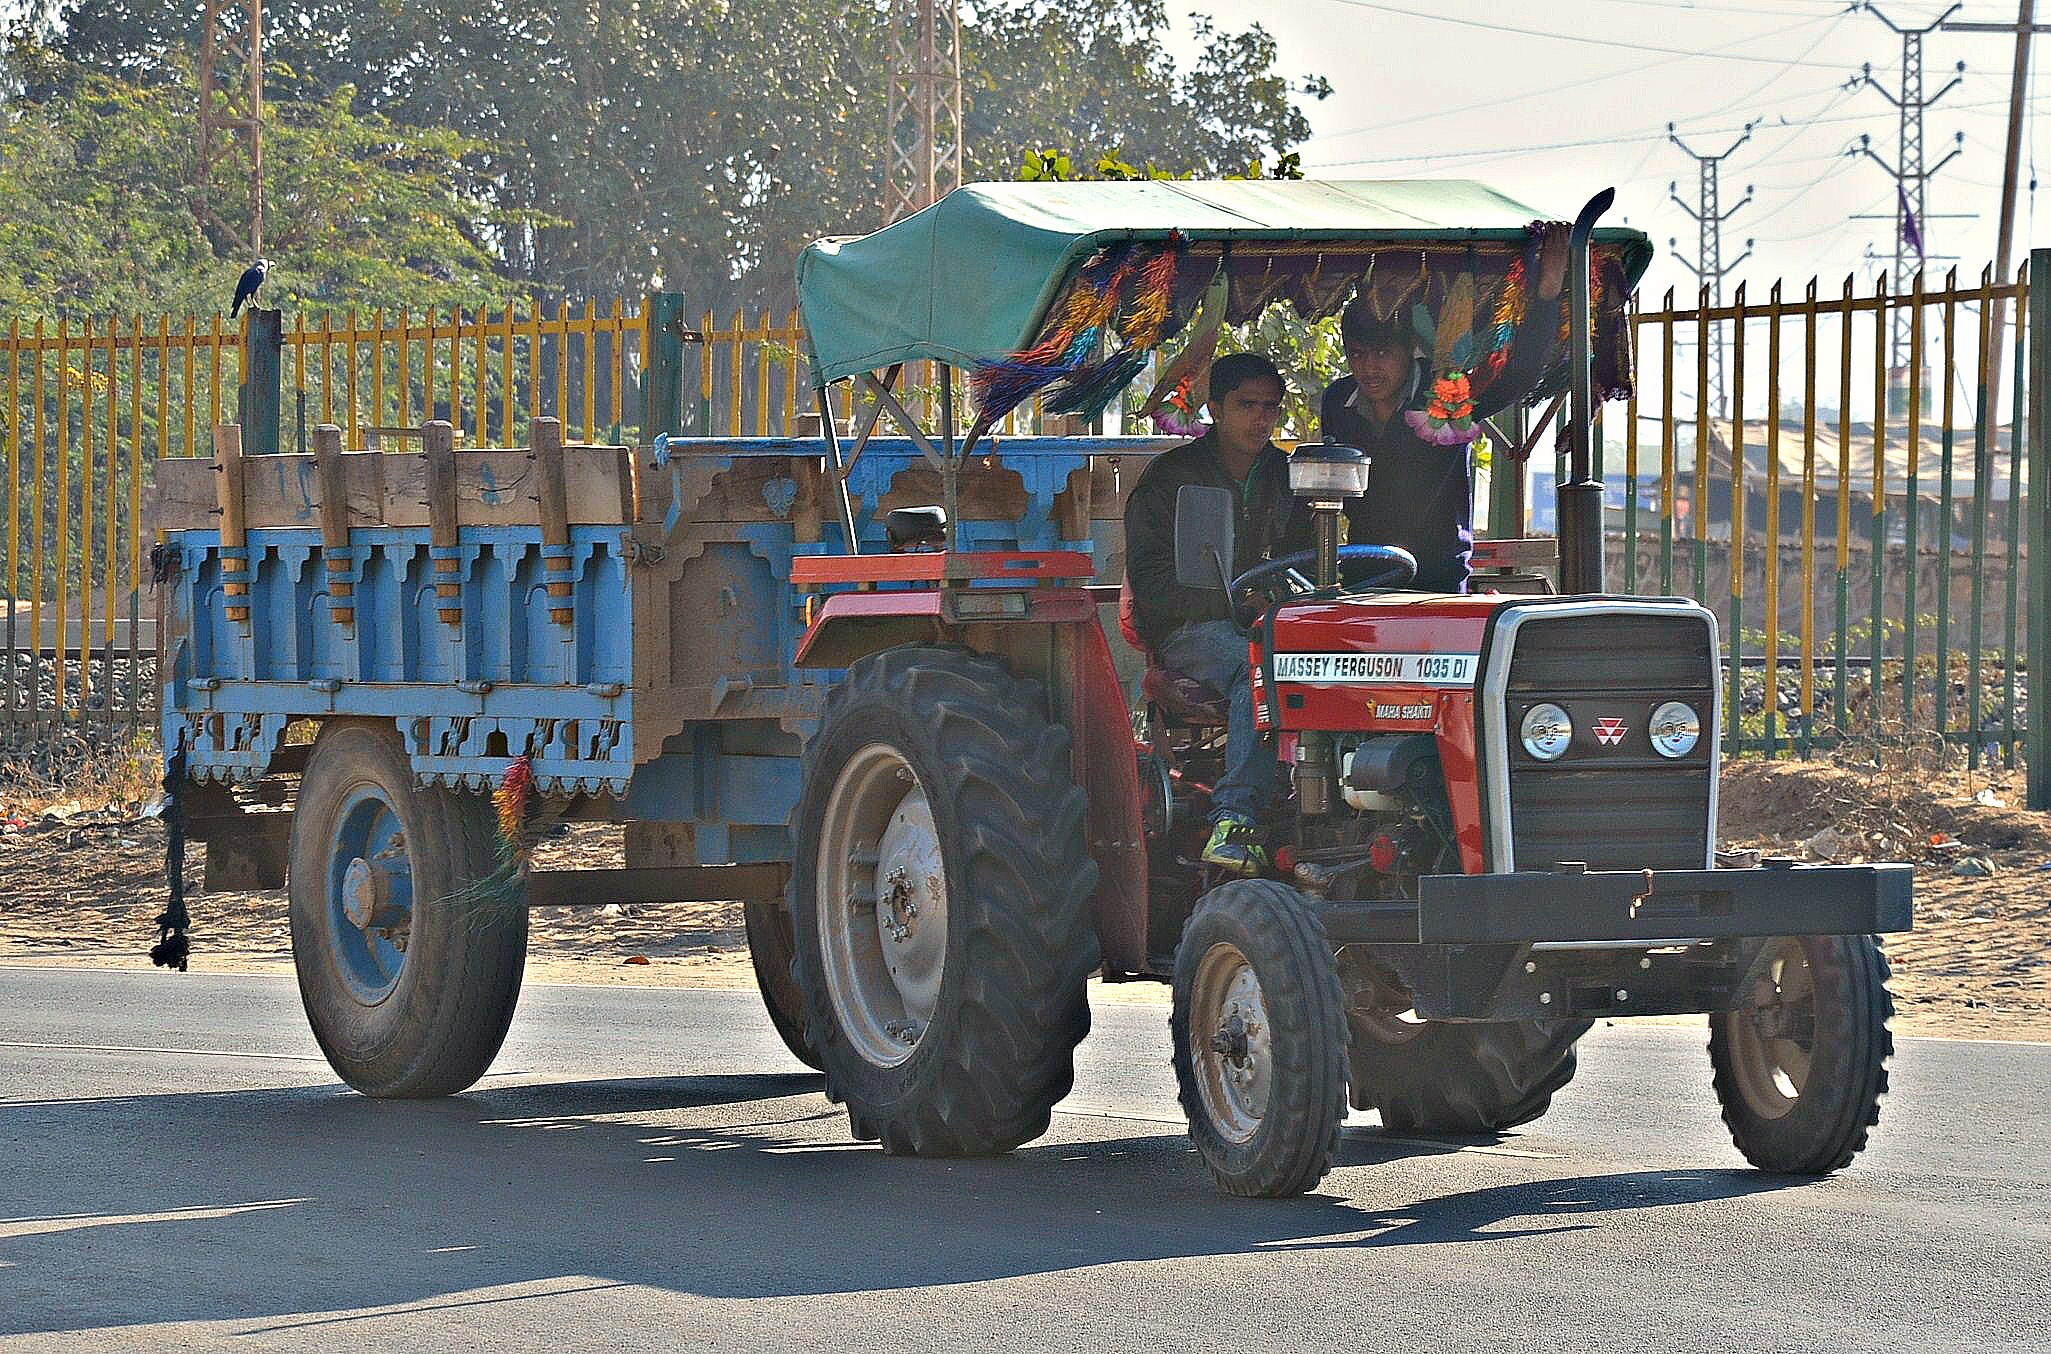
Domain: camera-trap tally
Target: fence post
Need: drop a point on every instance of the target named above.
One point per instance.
(263, 368)
(2037, 531)
(662, 389)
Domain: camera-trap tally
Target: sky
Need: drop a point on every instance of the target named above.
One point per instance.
(1550, 102)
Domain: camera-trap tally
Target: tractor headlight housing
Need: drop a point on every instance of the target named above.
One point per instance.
(1327, 471)
(1547, 732)
(1675, 729)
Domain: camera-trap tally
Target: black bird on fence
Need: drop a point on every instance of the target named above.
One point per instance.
(245, 290)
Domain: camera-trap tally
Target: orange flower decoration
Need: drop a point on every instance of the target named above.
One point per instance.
(1452, 397)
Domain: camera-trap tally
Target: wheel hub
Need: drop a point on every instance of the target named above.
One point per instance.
(370, 896)
(1234, 1061)
(883, 905)
(1773, 1036)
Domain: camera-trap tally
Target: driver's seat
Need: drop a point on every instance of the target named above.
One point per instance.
(1181, 699)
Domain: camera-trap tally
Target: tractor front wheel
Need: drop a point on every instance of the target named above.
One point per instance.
(1259, 1034)
(1801, 1060)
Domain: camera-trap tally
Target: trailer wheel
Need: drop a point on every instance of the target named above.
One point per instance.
(409, 988)
(1801, 1061)
(1259, 1034)
(770, 943)
(1443, 1077)
(940, 898)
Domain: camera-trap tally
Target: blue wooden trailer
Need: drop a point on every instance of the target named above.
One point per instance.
(346, 688)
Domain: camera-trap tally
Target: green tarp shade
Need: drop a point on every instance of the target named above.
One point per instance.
(968, 279)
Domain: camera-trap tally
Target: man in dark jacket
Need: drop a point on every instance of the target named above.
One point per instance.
(1419, 496)
(1190, 630)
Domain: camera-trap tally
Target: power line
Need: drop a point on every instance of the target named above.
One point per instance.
(1505, 100)
(1612, 43)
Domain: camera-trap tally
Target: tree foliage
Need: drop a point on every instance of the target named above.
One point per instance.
(361, 212)
(699, 144)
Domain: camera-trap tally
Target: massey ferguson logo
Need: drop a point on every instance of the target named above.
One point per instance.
(1609, 731)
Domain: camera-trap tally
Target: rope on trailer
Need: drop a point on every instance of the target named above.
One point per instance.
(173, 946)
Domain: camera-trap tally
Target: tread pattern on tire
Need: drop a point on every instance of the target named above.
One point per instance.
(455, 1017)
(1021, 889)
(1292, 955)
(1849, 1073)
(1464, 1079)
(769, 953)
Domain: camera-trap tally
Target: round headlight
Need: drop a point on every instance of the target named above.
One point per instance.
(1675, 730)
(1547, 732)
(1327, 470)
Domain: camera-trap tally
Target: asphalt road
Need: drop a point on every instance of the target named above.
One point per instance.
(648, 1168)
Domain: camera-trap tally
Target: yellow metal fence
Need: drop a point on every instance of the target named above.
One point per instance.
(1858, 526)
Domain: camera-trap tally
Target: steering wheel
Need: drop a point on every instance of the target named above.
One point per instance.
(1361, 566)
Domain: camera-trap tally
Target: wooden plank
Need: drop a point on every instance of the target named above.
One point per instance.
(493, 488)
(499, 488)
(279, 491)
(439, 438)
(234, 527)
(545, 436)
(334, 522)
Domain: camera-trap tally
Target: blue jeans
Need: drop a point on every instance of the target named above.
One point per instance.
(1215, 654)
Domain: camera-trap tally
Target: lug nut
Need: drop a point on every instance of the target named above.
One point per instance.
(1545, 999)
(1531, 966)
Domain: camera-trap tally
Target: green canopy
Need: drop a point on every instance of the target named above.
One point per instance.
(969, 279)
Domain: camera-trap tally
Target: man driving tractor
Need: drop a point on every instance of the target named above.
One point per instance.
(1190, 630)
(1420, 499)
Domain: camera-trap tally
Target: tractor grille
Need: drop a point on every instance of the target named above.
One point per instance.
(1611, 801)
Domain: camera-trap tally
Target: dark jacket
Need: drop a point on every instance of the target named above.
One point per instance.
(1160, 604)
(1419, 496)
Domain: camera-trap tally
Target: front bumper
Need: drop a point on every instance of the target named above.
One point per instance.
(1635, 907)
(1532, 946)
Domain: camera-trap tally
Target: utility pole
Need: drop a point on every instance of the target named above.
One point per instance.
(923, 124)
(1911, 176)
(230, 119)
(2011, 166)
(1708, 265)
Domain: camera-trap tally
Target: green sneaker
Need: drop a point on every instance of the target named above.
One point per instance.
(1235, 847)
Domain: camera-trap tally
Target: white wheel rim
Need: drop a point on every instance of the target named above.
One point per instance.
(882, 905)
(1773, 1034)
(1230, 1043)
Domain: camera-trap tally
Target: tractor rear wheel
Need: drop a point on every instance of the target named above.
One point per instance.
(1801, 1061)
(770, 943)
(408, 980)
(1259, 1035)
(940, 900)
(1441, 1077)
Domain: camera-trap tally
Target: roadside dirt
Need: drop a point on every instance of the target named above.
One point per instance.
(81, 879)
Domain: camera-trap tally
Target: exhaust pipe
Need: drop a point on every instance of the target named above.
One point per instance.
(1579, 502)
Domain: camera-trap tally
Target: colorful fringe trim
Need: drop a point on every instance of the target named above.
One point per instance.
(1125, 297)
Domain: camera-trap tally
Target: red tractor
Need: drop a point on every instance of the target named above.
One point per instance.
(1500, 821)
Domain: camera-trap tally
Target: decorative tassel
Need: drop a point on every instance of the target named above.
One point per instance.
(519, 828)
